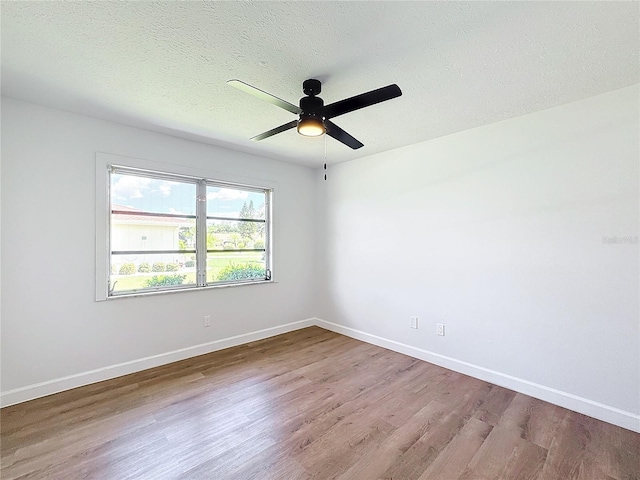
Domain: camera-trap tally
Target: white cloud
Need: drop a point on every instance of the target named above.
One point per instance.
(165, 188)
(130, 187)
(227, 194)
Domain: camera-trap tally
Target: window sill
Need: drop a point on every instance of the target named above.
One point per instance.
(183, 290)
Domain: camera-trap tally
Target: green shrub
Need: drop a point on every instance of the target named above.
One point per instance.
(173, 267)
(258, 244)
(190, 263)
(165, 280)
(241, 272)
(144, 268)
(127, 269)
(158, 267)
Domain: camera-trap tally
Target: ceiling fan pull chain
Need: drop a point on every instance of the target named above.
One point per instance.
(325, 158)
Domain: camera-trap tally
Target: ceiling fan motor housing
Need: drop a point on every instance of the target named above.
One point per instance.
(311, 123)
(311, 107)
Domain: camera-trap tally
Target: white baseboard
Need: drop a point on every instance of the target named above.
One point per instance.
(42, 389)
(606, 413)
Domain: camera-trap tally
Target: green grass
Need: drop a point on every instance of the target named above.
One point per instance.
(215, 264)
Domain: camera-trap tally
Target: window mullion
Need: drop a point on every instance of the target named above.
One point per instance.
(201, 233)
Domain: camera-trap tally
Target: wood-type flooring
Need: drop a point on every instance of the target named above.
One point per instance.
(309, 404)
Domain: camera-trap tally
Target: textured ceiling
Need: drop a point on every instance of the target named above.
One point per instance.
(163, 65)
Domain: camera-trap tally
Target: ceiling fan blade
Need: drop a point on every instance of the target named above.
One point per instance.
(339, 134)
(267, 97)
(360, 101)
(274, 131)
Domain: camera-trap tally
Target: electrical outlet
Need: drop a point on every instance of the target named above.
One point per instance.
(440, 329)
(207, 320)
(414, 322)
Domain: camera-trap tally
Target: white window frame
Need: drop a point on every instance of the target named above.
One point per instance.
(106, 163)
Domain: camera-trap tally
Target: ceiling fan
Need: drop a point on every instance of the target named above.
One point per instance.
(314, 115)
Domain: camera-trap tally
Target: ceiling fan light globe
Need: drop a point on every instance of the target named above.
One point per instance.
(311, 127)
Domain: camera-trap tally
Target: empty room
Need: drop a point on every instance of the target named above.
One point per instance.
(320, 240)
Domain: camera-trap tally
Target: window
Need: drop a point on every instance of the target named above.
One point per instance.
(173, 232)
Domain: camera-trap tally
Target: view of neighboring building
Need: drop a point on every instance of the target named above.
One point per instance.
(135, 232)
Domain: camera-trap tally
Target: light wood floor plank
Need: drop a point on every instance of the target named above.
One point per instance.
(453, 460)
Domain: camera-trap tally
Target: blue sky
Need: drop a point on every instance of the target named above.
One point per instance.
(166, 196)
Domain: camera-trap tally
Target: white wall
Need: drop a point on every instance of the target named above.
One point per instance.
(52, 327)
(497, 232)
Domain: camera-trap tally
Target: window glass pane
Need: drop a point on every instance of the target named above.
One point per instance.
(151, 270)
(143, 194)
(134, 232)
(234, 266)
(234, 203)
(235, 235)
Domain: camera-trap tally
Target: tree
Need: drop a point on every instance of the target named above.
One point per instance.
(223, 227)
(235, 238)
(186, 238)
(212, 240)
(260, 225)
(247, 229)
